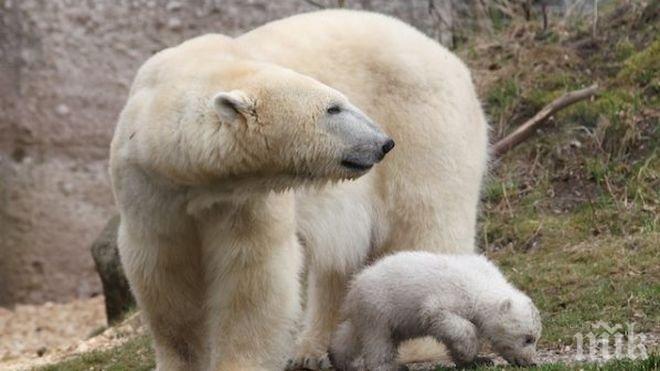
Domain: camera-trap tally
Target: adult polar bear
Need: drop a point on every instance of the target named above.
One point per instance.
(211, 252)
(425, 195)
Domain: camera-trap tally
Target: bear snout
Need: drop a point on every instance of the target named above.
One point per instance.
(364, 157)
(389, 144)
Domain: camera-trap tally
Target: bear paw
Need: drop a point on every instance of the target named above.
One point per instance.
(309, 363)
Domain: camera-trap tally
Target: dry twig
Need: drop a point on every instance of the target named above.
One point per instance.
(526, 130)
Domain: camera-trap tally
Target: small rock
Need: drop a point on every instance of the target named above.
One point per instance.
(173, 6)
(494, 66)
(82, 348)
(62, 109)
(41, 351)
(66, 188)
(576, 143)
(118, 297)
(174, 24)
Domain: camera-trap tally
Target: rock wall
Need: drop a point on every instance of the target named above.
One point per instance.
(65, 70)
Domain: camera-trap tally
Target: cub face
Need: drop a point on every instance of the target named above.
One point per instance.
(516, 328)
(291, 128)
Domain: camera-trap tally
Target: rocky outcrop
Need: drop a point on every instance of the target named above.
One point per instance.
(118, 298)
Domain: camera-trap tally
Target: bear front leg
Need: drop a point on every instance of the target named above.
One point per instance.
(458, 334)
(337, 227)
(168, 286)
(252, 308)
(325, 294)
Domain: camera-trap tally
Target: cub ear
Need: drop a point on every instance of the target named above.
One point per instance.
(505, 305)
(228, 105)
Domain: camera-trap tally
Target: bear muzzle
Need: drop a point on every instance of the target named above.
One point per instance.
(363, 158)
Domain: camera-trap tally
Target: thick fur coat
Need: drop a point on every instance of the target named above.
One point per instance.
(230, 151)
(457, 299)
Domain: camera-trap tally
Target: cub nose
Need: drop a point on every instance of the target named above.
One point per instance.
(387, 146)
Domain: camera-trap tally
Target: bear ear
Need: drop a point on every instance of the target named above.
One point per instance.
(505, 305)
(228, 105)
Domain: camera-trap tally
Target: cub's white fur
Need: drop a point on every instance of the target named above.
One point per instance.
(457, 299)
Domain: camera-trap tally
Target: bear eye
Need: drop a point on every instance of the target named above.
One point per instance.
(529, 340)
(334, 109)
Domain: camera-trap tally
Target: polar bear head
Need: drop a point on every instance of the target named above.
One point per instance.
(514, 329)
(287, 127)
(203, 114)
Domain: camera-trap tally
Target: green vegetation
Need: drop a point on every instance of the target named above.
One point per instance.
(572, 214)
(650, 364)
(574, 285)
(643, 68)
(136, 354)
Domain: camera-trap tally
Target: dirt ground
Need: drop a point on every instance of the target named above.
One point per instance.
(35, 331)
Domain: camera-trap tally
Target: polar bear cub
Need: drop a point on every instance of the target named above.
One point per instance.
(457, 299)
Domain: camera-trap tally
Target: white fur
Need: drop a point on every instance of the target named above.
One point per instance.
(208, 234)
(457, 299)
(229, 105)
(424, 195)
(203, 244)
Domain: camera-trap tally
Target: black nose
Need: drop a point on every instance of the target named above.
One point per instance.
(388, 146)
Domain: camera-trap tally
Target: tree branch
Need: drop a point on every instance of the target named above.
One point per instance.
(526, 130)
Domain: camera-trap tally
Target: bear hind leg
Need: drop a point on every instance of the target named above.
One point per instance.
(379, 349)
(344, 347)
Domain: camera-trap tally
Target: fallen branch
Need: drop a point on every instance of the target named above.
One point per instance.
(526, 130)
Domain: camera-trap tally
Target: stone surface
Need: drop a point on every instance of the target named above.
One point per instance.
(118, 297)
(65, 70)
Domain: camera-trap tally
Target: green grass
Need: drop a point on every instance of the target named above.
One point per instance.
(609, 279)
(135, 354)
(572, 214)
(652, 363)
(643, 68)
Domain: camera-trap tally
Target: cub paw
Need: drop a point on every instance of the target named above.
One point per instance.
(314, 363)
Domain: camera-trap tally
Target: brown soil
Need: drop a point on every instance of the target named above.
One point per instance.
(37, 331)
